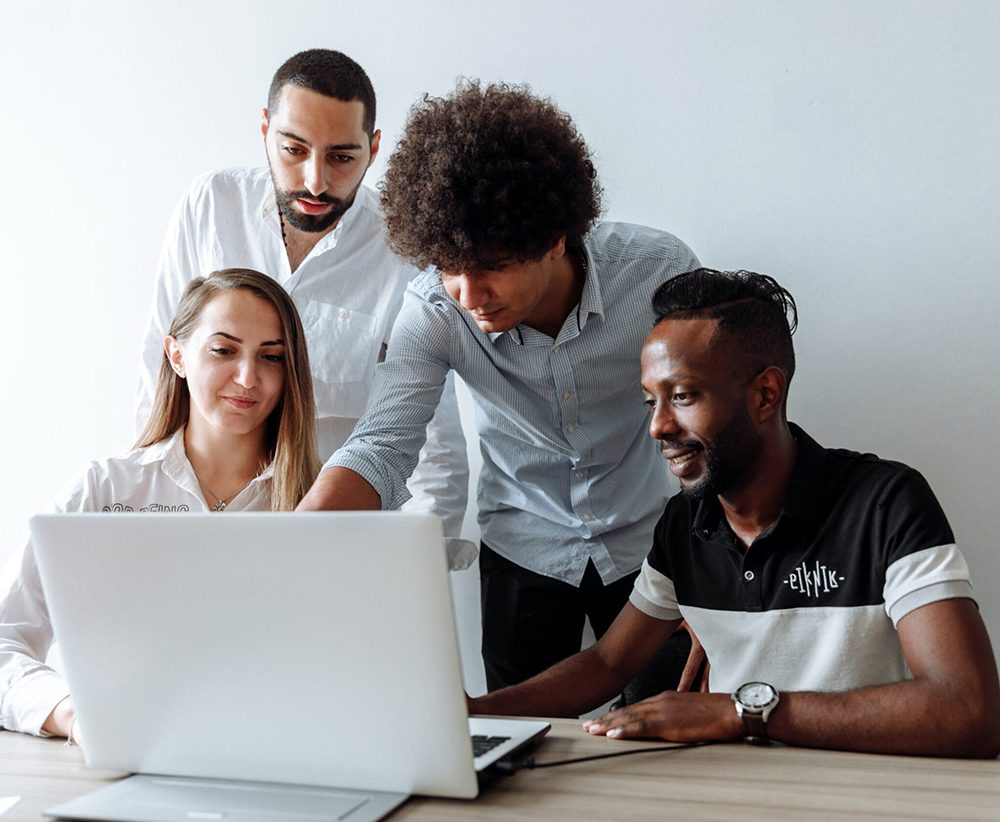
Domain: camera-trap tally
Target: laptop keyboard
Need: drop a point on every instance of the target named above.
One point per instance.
(482, 744)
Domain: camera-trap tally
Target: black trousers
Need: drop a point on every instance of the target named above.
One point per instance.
(531, 622)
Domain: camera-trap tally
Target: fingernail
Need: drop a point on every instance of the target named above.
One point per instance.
(615, 732)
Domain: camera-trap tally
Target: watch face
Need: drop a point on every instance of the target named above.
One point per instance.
(756, 694)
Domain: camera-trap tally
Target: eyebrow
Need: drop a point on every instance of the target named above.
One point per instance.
(238, 340)
(333, 147)
(673, 380)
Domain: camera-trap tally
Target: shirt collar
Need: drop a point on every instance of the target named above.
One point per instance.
(805, 490)
(590, 299)
(170, 451)
(269, 207)
(169, 447)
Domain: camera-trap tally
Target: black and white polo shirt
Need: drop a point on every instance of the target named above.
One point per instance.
(813, 603)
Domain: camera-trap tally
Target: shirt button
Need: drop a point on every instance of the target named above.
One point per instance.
(571, 428)
(555, 349)
(566, 395)
(587, 517)
(343, 314)
(579, 474)
(748, 576)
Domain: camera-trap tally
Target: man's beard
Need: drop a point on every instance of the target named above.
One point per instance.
(306, 222)
(727, 457)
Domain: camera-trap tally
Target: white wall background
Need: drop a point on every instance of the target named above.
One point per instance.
(850, 149)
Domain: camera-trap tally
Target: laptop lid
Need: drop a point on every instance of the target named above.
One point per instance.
(275, 647)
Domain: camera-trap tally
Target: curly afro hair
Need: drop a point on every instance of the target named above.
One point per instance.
(485, 176)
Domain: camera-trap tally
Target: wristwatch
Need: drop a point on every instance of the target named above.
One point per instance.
(754, 702)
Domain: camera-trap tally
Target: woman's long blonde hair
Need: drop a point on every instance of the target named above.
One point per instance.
(290, 436)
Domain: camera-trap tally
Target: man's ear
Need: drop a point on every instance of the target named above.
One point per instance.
(373, 145)
(263, 122)
(174, 355)
(768, 394)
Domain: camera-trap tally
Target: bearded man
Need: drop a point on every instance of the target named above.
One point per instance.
(833, 604)
(306, 220)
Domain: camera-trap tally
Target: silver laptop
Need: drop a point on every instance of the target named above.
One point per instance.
(258, 666)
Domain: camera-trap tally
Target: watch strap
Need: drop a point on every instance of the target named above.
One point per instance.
(754, 728)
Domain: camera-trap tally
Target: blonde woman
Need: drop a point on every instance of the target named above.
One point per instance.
(232, 429)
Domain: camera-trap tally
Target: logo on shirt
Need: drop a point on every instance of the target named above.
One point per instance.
(813, 581)
(152, 508)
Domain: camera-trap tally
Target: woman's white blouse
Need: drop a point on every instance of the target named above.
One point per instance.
(158, 479)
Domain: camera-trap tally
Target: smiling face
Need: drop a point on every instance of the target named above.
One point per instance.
(701, 407)
(318, 152)
(234, 364)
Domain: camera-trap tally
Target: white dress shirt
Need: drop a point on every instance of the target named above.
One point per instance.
(158, 479)
(348, 291)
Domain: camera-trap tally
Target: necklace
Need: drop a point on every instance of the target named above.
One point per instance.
(223, 502)
(281, 220)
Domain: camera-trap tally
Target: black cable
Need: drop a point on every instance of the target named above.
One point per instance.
(507, 766)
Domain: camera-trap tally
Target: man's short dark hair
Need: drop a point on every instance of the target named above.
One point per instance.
(752, 309)
(487, 175)
(329, 73)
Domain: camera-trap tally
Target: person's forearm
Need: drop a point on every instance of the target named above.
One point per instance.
(574, 686)
(588, 679)
(913, 717)
(951, 707)
(340, 489)
(917, 717)
(440, 482)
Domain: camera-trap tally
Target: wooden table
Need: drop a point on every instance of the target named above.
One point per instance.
(723, 782)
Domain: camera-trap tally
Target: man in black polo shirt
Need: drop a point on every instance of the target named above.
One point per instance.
(825, 585)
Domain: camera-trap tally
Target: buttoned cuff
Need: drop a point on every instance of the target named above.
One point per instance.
(461, 553)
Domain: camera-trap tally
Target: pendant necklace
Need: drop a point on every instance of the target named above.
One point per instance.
(223, 502)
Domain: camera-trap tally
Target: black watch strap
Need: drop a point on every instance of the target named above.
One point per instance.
(754, 728)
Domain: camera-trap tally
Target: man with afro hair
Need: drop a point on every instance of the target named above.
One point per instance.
(542, 311)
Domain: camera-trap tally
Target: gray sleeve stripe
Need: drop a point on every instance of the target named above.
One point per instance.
(941, 563)
(651, 609)
(950, 589)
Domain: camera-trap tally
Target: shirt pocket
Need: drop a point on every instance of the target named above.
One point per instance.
(343, 352)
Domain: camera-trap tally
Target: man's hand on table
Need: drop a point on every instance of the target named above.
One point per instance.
(674, 716)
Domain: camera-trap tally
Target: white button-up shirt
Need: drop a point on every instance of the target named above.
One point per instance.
(158, 478)
(348, 291)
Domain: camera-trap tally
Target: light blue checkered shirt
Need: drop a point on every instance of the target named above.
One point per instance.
(570, 473)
